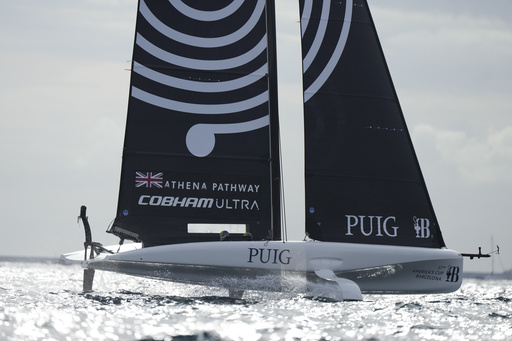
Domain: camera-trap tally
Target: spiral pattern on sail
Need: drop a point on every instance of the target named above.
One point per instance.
(224, 63)
(325, 26)
(210, 59)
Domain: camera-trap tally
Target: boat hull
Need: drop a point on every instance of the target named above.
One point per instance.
(292, 266)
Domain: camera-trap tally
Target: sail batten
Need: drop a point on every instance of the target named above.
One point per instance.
(177, 156)
(324, 173)
(212, 85)
(347, 94)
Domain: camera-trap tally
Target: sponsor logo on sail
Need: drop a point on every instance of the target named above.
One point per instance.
(371, 226)
(197, 192)
(421, 225)
(156, 180)
(208, 203)
(213, 186)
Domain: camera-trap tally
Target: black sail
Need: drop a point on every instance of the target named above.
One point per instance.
(363, 181)
(197, 140)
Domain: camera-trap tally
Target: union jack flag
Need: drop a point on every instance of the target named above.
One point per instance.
(149, 179)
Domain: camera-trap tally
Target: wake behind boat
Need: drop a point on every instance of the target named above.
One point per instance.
(201, 159)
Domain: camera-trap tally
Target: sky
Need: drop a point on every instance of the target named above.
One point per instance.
(64, 94)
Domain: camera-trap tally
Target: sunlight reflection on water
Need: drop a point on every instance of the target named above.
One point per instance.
(43, 301)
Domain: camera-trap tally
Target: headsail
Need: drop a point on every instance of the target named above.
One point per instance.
(363, 181)
(197, 150)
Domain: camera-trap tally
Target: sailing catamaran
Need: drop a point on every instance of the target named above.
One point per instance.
(201, 176)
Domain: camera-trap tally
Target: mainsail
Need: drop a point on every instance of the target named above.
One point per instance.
(197, 150)
(363, 181)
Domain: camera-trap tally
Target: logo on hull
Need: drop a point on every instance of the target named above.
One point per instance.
(452, 275)
(272, 256)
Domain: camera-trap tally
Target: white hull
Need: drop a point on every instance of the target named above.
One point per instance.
(292, 266)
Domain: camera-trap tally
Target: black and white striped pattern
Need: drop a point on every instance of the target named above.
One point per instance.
(210, 59)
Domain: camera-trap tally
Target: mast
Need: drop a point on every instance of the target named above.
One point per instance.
(275, 167)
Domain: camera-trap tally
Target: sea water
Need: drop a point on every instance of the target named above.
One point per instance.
(43, 301)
